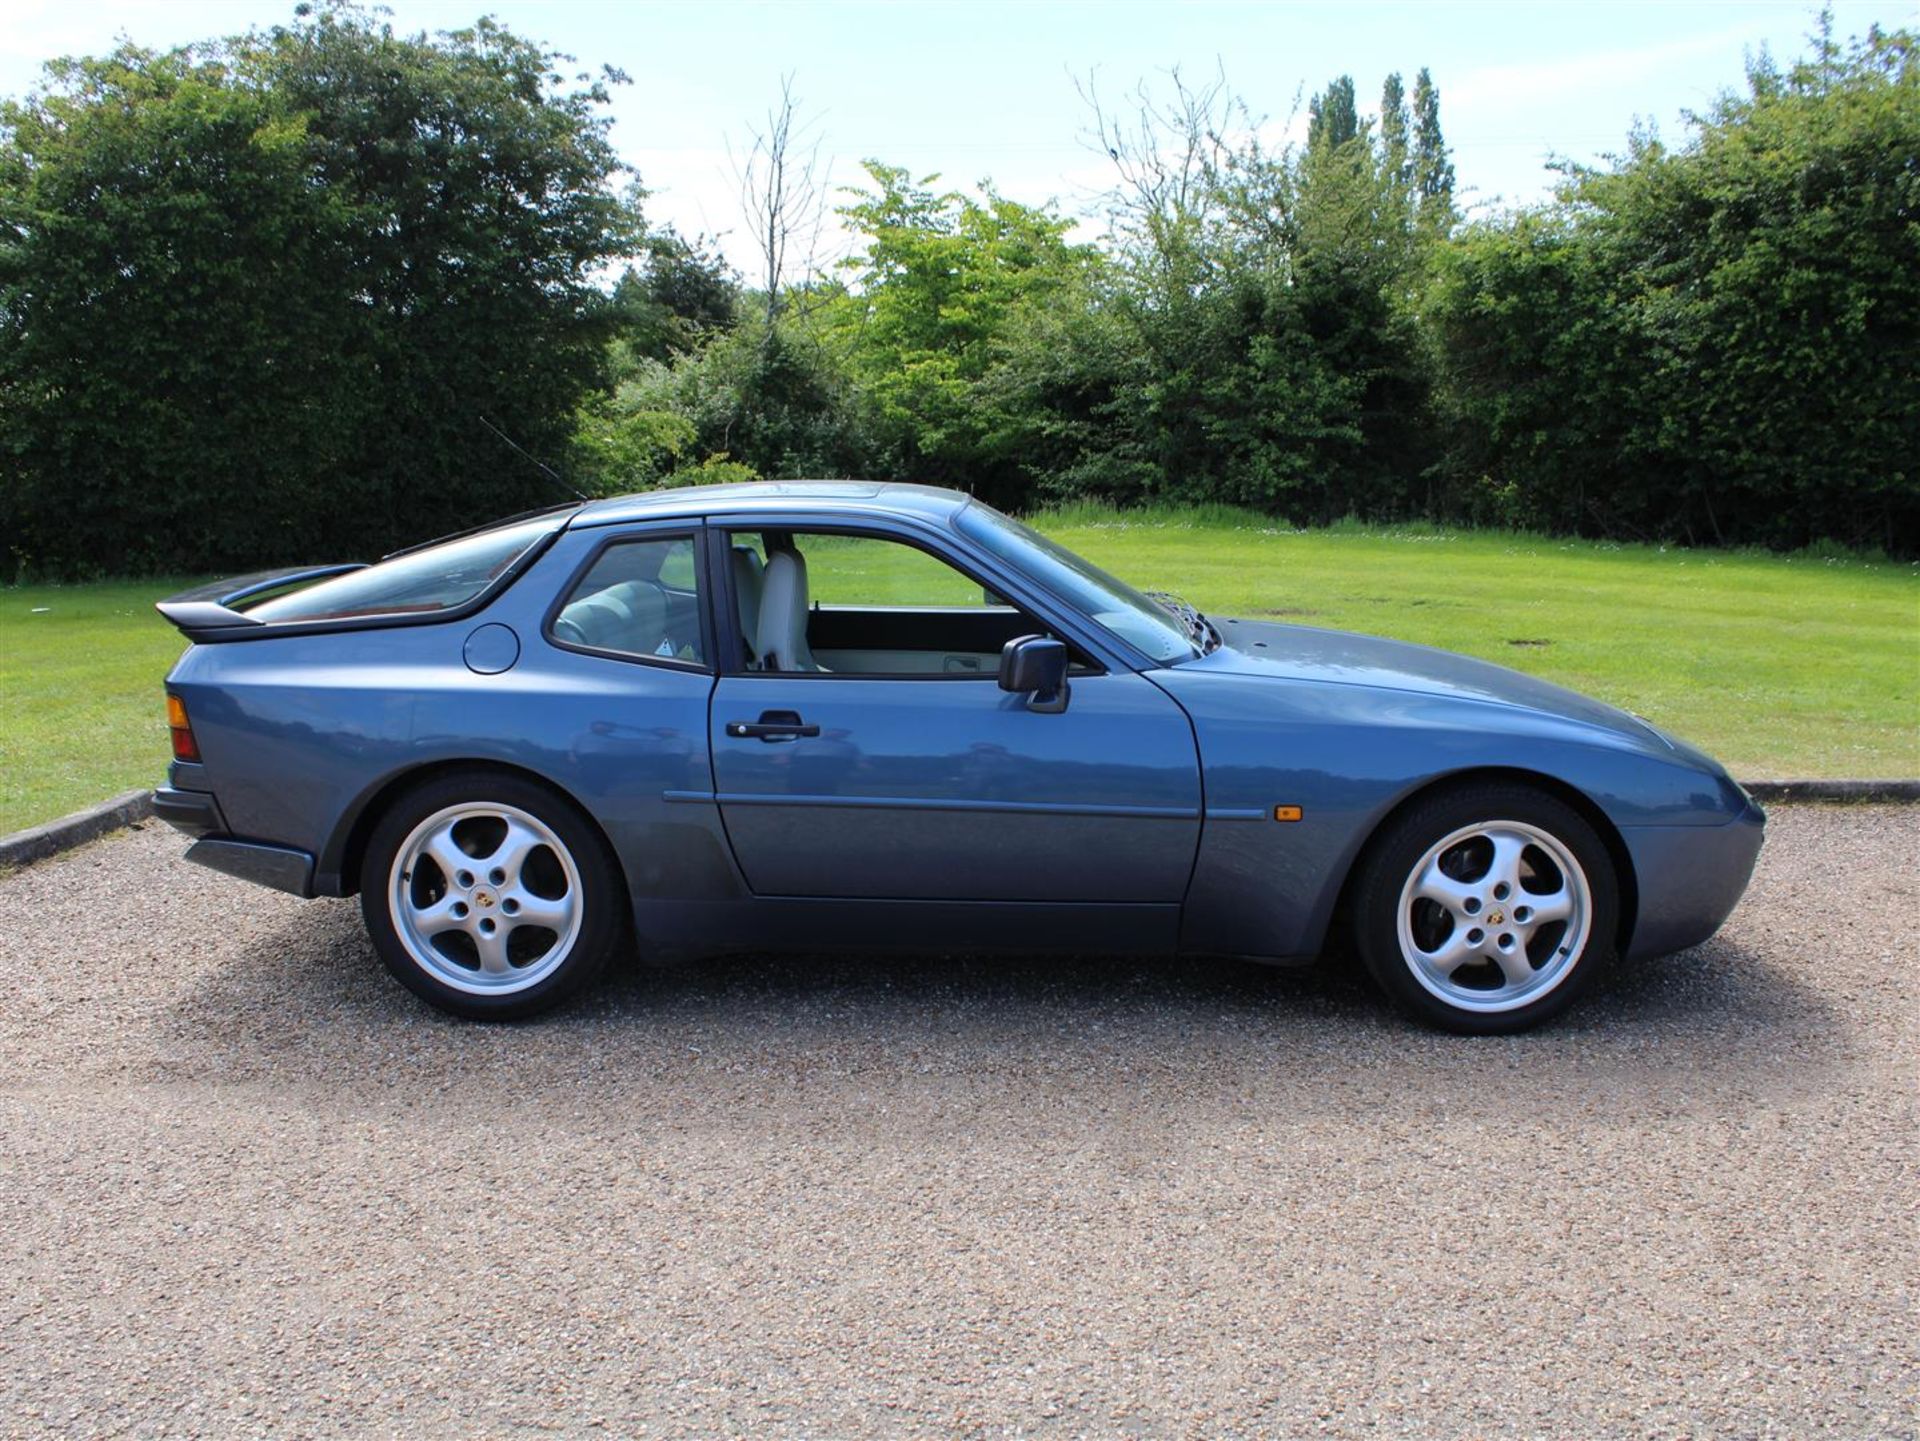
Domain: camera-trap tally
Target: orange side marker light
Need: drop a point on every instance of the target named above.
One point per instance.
(1288, 813)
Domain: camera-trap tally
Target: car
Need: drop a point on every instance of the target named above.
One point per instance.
(840, 715)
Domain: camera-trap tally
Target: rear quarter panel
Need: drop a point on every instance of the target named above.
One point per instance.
(299, 733)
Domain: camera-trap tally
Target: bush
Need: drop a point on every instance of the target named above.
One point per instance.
(1719, 344)
(775, 400)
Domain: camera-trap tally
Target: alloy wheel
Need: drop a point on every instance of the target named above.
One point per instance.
(485, 898)
(1495, 915)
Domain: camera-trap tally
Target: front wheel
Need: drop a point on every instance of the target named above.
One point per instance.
(490, 896)
(1485, 909)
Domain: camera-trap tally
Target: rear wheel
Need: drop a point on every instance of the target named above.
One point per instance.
(490, 896)
(1486, 908)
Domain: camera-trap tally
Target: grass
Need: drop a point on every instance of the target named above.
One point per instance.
(1803, 665)
(80, 701)
(1796, 665)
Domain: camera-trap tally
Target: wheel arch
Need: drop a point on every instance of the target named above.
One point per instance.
(1581, 803)
(341, 858)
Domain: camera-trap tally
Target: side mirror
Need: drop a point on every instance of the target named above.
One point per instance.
(1036, 665)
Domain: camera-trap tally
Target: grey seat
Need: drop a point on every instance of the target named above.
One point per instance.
(630, 617)
(780, 638)
(748, 582)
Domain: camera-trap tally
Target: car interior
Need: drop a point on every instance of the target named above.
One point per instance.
(638, 599)
(821, 603)
(864, 605)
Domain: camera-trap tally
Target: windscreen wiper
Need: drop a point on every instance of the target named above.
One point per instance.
(1201, 631)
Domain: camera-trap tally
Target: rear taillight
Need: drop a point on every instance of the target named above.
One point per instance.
(185, 747)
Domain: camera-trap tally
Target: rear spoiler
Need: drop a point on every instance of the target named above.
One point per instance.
(206, 612)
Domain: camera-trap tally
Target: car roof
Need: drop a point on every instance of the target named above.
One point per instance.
(823, 496)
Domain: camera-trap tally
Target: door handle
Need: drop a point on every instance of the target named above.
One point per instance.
(773, 725)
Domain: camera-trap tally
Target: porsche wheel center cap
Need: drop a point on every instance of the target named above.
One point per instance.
(1494, 918)
(483, 898)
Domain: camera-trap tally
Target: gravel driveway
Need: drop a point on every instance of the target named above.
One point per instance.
(250, 1185)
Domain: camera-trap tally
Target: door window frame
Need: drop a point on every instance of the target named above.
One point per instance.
(731, 658)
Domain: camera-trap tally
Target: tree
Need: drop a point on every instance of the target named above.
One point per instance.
(159, 280)
(1432, 161)
(1269, 298)
(679, 293)
(1333, 119)
(943, 288)
(1358, 269)
(1203, 380)
(778, 400)
(255, 294)
(1395, 157)
(784, 194)
(1170, 158)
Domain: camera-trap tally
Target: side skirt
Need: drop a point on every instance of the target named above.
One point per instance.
(674, 931)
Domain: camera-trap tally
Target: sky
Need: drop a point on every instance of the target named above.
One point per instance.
(991, 89)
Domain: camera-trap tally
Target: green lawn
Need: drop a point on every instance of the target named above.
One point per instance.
(1781, 666)
(1778, 665)
(81, 714)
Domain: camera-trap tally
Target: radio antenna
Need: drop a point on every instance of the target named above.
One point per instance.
(548, 471)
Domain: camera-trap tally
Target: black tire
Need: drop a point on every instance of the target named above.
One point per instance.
(563, 881)
(1513, 976)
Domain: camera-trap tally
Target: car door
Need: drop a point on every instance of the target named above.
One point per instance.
(907, 773)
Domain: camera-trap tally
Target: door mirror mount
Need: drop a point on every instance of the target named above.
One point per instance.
(1036, 666)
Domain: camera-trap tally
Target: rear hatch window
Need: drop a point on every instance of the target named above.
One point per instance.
(434, 578)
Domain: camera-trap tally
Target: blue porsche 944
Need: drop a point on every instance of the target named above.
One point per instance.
(838, 715)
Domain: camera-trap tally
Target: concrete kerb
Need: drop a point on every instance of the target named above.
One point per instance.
(36, 843)
(1894, 791)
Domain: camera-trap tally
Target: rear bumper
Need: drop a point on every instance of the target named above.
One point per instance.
(193, 813)
(1690, 878)
(197, 814)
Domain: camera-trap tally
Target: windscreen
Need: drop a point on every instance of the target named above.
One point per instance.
(421, 582)
(1113, 603)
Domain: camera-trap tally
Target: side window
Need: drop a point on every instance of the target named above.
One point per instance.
(639, 598)
(865, 570)
(865, 605)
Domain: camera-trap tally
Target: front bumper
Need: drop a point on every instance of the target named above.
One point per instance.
(1690, 878)
(197, 814)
